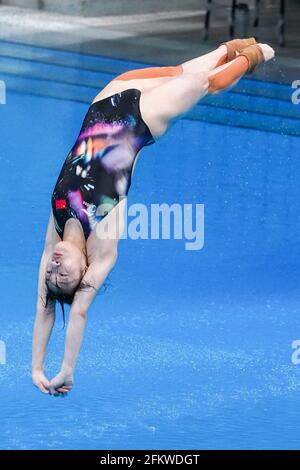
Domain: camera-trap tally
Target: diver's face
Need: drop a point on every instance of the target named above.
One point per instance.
(65, 268)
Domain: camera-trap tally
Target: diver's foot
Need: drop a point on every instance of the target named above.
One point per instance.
(257, 54)
(236, 46)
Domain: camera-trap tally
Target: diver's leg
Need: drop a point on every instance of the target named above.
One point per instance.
(219, 56)
(148, 78)
(164, 104)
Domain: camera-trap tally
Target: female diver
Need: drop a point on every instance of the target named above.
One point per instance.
(135, 109)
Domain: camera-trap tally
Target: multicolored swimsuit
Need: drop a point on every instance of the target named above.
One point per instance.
(98, 169)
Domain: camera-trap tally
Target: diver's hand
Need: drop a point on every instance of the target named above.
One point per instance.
(61, 384)
(40, 381)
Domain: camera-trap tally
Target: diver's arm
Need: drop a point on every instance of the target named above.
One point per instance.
(45, 312)
(92, 281)
(45, 316)
(43, 325)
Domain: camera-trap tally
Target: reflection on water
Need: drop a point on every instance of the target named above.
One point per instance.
(185, 349)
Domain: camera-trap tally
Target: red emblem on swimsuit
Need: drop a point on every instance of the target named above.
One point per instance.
(60, 204)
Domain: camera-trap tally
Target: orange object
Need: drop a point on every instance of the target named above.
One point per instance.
(237, 45)
(254, 55)
(228, 75)
(151, 72)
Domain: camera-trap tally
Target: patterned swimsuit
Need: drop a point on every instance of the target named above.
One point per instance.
(98, 169)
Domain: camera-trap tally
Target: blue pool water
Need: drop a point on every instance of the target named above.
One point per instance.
(185, 349)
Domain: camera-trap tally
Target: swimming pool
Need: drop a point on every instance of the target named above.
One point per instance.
(185, 349)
